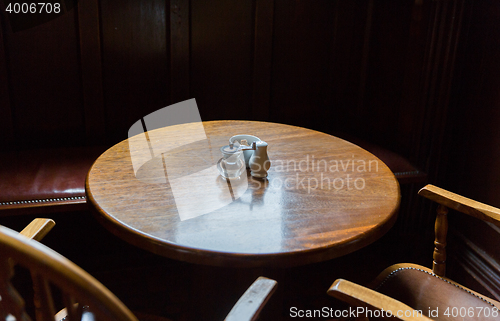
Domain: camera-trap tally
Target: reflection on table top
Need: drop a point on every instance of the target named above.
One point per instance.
(324, 197)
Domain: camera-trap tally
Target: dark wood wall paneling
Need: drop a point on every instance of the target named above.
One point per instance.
(443, 39)
(473, 169)
(6, 122)
(302, 52)
(329, 65)
(386, 66)
(179, 50)
(135, 65)
(91, 71)
(262, 59)
(222, 58)
(424, 117)
(340, 66)
(43, 81)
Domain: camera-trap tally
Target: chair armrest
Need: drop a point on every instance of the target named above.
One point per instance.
(462, 204)
(38, 228)
(253, 300)
(360, 296)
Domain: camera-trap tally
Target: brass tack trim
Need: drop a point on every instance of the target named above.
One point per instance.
(46, 200)
(434, 275)
(407, 173)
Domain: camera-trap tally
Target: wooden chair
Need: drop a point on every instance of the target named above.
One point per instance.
(411, 288)
(81, 293)
(36, 230)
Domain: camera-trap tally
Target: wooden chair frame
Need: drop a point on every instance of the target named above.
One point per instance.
(79, 288)
(358, 295)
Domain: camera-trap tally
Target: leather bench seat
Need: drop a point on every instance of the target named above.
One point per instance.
(45, 180)
(403, 169)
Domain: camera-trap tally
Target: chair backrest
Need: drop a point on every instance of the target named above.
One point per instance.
(81, 293)
(465, 205)
(51, 270)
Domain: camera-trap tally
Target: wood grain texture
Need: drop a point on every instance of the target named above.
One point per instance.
(221, 58)
(91, 69)
(179, 50)
(475, 134)
(48, 267)
(253, 300)
(429, 143)
(44, 83)
(459, 203)
(462, 204)
(79, 292)
(359, 295)
(300, 214)
(262, 60)
(134, 59)
(38, 228)
(470, 261)
(441, 231)
(6, 122)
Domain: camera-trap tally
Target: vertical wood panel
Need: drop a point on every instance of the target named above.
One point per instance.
(6, 121)
(135, 62)
(423, 111)
(91, 70)
(388, 32)
(364, 59)
(445, 28)
(473, 168)
(45, 83)
(411, 91)
(222, 58)
(179, 50)
(343, 68)
(303, 33)
(473, 261)
(262, 63)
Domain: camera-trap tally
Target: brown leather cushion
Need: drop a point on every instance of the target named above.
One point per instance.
(427, 292)
(45, 177)
(404, 171)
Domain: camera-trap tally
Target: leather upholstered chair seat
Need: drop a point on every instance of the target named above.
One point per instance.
(422, 290)
(45, 180)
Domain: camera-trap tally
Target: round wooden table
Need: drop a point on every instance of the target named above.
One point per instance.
(323, 198)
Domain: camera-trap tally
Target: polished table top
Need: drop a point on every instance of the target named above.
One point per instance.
(323, 198)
